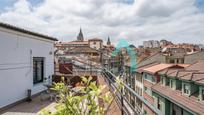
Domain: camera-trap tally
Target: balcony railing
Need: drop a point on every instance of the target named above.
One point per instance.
(126, 107)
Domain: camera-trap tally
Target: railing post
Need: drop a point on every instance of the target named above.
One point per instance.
(153, 108)
(122, 104)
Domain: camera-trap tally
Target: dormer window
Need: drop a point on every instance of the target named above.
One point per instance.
(186, 89)
(167, 82)
(171, 83)
(202, 94)
(162, 80)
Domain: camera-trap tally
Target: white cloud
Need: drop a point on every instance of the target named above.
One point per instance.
(177, 20)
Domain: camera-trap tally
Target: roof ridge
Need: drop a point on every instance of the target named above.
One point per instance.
(25, 31)
(149, 64)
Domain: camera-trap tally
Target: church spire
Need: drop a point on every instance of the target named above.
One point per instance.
(108, 42)
(80, 37)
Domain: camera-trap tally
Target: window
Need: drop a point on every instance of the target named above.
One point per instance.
(38, 70)
(167, 82)
(202, 94)
(172, 61)
(158, 103)
(163, 81)
(145, 88)
(94, 43)
(145, 76)
(171, 83)
(186, 89)
(148, 91)
(153, 79)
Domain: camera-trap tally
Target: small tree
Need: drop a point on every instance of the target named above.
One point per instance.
(85, 101)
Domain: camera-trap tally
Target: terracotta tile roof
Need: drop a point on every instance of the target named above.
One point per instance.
(77, 42)
(162, 72)
(140, 69)
(190, 103)
(83, 50)
(157, 68)
(173, 72)
(148, 57)
(185, 75)
(192, 72)
(147, 84)
(95, 39)
(200, 82)
(199, 65)
(148, 98)
(198, 76)
(183, 65)
(163, 68)
(182, 74)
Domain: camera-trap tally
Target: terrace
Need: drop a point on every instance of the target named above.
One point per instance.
(37, 104)
(123, 104)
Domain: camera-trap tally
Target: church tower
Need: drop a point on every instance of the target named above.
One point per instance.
(108, 42)
(80, 37)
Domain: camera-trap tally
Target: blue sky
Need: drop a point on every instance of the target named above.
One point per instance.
(134, 20)
(200, 4)
(9, 3)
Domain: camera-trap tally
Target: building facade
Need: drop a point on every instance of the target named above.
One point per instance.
(27, 63)
(150, 78)
(151, 44)
(180, 91)
(96, 43)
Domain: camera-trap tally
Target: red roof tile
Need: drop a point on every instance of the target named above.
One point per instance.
(191, 103)
(140, 69)
(77, 42)
(199, 65)
(147, 84)
(157, 68)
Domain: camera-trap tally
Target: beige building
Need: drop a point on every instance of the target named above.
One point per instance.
(96, 43)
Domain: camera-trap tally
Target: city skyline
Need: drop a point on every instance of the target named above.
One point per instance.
(136, 21)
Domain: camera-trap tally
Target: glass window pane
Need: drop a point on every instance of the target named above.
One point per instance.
(38, 63)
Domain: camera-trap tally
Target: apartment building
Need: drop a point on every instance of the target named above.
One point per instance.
(151, 44)
(181, 91)
(150, 78)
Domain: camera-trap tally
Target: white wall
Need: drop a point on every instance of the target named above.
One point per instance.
(17, 50)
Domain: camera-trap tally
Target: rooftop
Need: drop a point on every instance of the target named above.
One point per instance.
(77, 42)
(83, 50)
(190, 103)
(15, 28)
(140, 69)
(199, 66)
(159, 67)
(95, 39)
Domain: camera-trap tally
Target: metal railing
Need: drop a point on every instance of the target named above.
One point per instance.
(120, 96)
